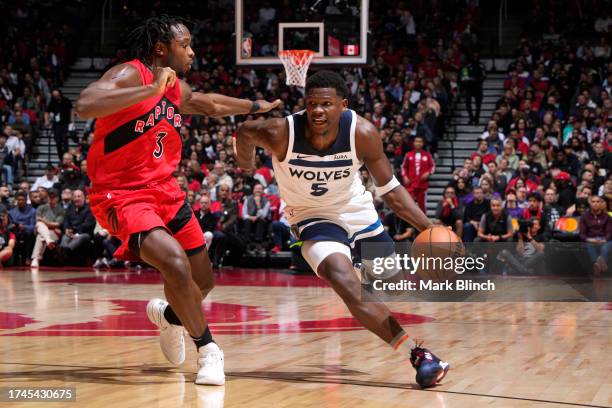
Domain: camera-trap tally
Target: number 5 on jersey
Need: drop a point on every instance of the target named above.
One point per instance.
(318, 189)
(159, 149)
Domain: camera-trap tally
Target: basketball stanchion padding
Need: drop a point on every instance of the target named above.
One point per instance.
(296, 63)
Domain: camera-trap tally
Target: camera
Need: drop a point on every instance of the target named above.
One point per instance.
(524, 226)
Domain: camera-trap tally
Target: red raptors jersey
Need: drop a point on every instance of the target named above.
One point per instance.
(140, 144)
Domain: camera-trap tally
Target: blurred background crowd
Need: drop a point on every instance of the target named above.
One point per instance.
(540, 171)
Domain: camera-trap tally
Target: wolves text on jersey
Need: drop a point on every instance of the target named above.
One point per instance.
(321, 175)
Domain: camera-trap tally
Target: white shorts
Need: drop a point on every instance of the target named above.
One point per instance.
(325, 231)
(346, 224)
(314, 252)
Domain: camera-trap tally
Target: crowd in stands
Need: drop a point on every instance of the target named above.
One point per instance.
(38, 40)
(407, 92)
(546, 152)
(543, 155)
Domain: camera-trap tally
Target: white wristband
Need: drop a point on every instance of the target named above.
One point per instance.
(382, 190)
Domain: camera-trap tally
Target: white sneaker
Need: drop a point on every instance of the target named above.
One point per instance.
(210, 365)
(171, 337)
(34, 263)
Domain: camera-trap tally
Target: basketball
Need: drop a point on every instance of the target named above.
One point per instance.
(436, 246)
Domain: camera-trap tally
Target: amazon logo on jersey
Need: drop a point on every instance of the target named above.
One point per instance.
(321, 175)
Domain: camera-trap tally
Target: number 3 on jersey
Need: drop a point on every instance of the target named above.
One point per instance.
(318, 189)
(159, 149)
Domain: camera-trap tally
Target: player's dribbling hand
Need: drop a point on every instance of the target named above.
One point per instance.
(163, 78)
(265, 106)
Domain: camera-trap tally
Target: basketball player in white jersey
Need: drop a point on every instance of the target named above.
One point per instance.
(317, 154)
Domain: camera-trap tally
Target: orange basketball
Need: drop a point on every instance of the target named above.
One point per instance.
(436, 247)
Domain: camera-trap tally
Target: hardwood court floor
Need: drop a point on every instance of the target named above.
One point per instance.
(289, 342)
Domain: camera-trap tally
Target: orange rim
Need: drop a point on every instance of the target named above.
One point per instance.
(299, 57)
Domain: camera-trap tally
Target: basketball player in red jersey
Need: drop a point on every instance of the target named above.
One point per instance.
(136, 148)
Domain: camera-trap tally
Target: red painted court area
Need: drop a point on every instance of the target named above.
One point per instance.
(127, 317)
(288, 335)
(236, 277)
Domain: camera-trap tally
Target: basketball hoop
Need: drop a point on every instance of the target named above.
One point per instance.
(296, 63)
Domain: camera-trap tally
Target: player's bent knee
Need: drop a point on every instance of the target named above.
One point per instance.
(163, 252)
(206, 286)
(332, 275)
(175, 269)
(341, 280)
(337, 270)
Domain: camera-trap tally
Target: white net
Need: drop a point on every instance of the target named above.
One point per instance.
(296, 63)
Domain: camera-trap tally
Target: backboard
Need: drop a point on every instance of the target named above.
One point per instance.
(337, 30)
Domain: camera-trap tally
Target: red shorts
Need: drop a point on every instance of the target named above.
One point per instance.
(160, 205)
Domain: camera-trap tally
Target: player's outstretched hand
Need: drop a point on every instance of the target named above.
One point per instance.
(265, 106)
(163, 78)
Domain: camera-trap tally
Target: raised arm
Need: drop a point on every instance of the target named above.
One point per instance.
(119, 88)
(370, 150)
(218, 106)
(271, 134)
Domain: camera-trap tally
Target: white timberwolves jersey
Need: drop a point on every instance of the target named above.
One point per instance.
(324, 186)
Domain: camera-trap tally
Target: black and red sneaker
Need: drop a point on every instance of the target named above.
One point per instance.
(430, 369)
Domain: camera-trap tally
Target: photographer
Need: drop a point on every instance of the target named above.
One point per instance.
(529, 248)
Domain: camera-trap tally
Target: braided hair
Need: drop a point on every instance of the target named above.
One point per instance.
(155, 29)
